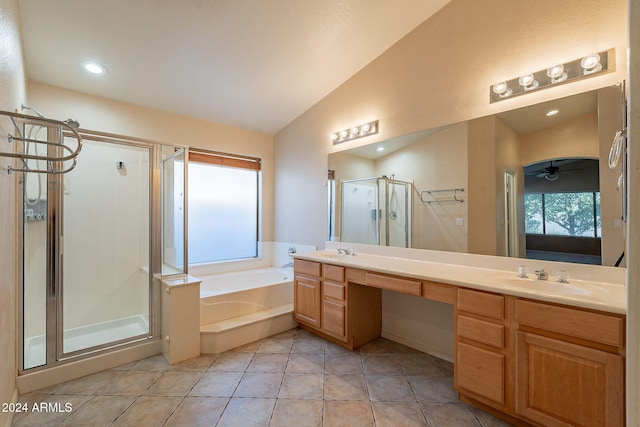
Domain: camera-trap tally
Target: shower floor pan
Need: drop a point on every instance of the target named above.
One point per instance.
(86, 337)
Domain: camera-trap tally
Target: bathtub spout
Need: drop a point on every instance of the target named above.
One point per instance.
(289, 264)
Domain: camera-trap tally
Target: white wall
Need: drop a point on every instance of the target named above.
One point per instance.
(12, 88)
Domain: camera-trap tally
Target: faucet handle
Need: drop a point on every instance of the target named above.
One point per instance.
(542, 275)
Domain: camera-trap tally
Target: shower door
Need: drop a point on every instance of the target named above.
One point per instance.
(86, 253)
(376, 211)
(105, 260)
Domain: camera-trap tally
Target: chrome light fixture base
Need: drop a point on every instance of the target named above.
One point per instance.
(587, 66)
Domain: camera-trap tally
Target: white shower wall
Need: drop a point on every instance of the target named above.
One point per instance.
(106, 235)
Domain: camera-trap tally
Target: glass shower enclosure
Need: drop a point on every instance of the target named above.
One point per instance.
(91, 246)
(376, 211)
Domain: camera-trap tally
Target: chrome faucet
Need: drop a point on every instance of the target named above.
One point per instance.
(349, 251)
(542, 275)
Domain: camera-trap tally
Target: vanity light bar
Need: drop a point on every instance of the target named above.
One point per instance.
(587, 66)
(355, 132)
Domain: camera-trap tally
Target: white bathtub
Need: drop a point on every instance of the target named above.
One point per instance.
(228, 295)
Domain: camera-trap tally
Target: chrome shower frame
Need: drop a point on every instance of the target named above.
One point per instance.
(55, 355)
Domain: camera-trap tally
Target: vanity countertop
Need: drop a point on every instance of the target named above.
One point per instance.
(609, 297)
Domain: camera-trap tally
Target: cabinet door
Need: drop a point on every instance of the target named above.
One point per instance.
(333, 318)
(561, 384)
(307, 301)
(480, 371)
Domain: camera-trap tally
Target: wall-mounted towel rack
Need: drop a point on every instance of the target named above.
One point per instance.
(64, 156)
(453, 198)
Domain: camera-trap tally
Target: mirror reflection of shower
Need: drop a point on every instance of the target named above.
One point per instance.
(376, 211)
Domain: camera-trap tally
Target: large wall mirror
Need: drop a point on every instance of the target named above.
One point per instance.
(531, 183)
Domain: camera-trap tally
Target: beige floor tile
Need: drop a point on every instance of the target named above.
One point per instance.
(403, 349)
(345, 387)
(91, 384)
(302, 386)
(259, 384)
(335, 349)
(245, 412)
(290, 334)
(197, 412)
(389, 388)
(275, 345)
(132, 383)
(346, 363)
(449, 414)
(99, 411)
(57, 407)
(419, 364)
(231, 362)
(433, 389)
(305, 363)
(216, 384)
(148, 411)
(296, 412)
(173, 383)
(199, 363)
(445, 366)
(375, 364)
(488, 420)
(377, 346)
(125, 367)
(268, 362)
(308, 345)
(155, 363)
(348, 414)
(398, 414)
(247, 348)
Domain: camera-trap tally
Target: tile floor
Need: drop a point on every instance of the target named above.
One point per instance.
(291, 379)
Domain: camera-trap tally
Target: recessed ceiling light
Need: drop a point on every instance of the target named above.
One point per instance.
(380, 149)
(552, 112)
(93, 67)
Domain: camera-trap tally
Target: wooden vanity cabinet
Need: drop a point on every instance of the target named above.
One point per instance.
(331, 301)
(307, 288)
(570, 365)
(482, 353)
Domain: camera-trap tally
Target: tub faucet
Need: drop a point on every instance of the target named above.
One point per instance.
(542, 275)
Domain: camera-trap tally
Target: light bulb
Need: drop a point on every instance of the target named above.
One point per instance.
(343, 134)
(94, 67)
(501, 88)
(354, 131)
(591, 63)
(365, 128)
(334, 136)
(552, 113)
(528, 82)
(556, 73)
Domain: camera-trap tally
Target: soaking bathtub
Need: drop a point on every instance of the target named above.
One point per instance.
(229, 295)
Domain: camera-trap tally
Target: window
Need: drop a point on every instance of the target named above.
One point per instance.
(223, 207)
(563, 214)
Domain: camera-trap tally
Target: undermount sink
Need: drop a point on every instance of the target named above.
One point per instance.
(550, 285)
(329, 254)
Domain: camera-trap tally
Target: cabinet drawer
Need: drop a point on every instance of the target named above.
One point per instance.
(334, 272)
(478, 330)
(411, 287)
(334, 290)
(597, 327)
(481, 303)
(333, 318)
(480, 371)
(439, 292)
(309, 268)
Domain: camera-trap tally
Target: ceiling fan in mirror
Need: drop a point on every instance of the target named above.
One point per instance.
(551, 172)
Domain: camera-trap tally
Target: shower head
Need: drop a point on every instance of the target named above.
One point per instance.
(73, 123)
